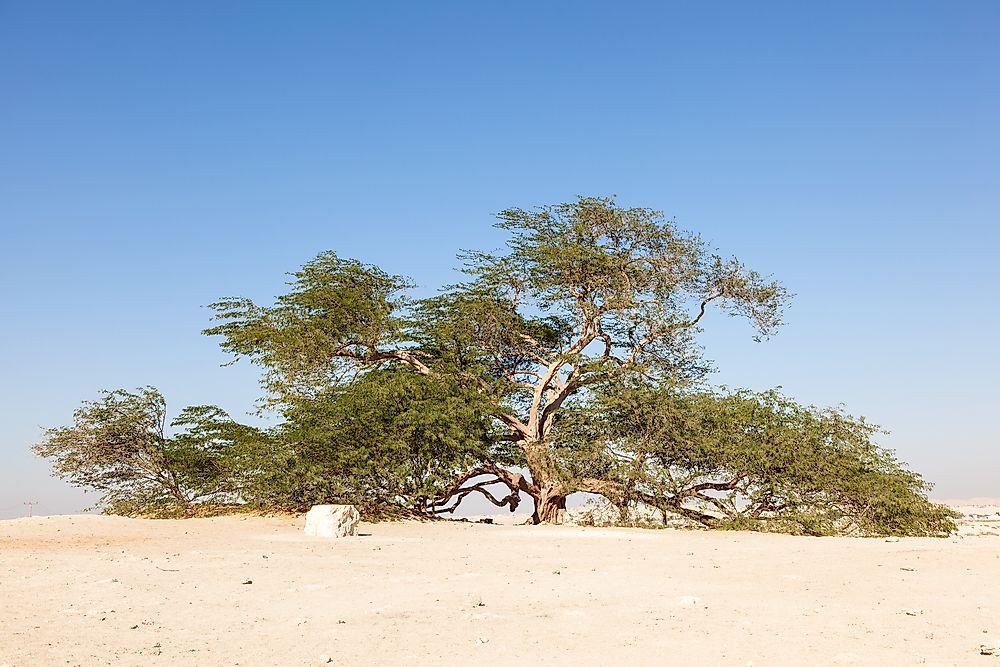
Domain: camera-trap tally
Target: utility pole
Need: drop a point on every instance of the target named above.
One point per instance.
(29, 505)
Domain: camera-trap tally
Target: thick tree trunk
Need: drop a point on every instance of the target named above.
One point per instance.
(550, 505)
(546, 490)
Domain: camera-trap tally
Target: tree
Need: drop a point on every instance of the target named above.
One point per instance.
(585, 293)
(118, 445)
(566, 362)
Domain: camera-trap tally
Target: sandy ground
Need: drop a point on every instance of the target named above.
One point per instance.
(90, 590)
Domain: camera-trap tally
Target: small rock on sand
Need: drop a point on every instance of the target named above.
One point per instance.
(332, 521)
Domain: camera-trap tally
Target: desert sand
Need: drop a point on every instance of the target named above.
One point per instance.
(94, 590)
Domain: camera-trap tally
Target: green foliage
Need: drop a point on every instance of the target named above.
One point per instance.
(761, 461)
(118, 446)
(587, 272)
(629, 273)
(337, 309)
(384, 443)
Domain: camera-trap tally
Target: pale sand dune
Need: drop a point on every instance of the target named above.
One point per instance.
(88, 590)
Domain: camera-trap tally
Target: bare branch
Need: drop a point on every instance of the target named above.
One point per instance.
(457, 491)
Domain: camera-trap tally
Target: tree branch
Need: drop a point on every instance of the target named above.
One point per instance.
(458, 492)
(404, 356)
(656, 334)
(615, 491)
(512, 499)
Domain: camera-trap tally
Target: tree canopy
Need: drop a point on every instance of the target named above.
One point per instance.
(584, 292)
(746, 459)
(566, 361)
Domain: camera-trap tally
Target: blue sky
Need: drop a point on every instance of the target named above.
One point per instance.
(155, 156)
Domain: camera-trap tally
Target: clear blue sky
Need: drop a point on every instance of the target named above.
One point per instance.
(157, 155)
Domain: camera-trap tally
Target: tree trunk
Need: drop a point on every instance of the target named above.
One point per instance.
(547, 491)
(550, 505)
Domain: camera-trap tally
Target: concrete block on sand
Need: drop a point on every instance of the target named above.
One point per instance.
(332, 521)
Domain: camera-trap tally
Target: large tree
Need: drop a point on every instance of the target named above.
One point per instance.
(584, 294)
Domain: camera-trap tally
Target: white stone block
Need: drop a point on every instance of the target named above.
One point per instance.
(332, 521)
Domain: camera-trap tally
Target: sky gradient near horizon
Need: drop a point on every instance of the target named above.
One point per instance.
(156, 156)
